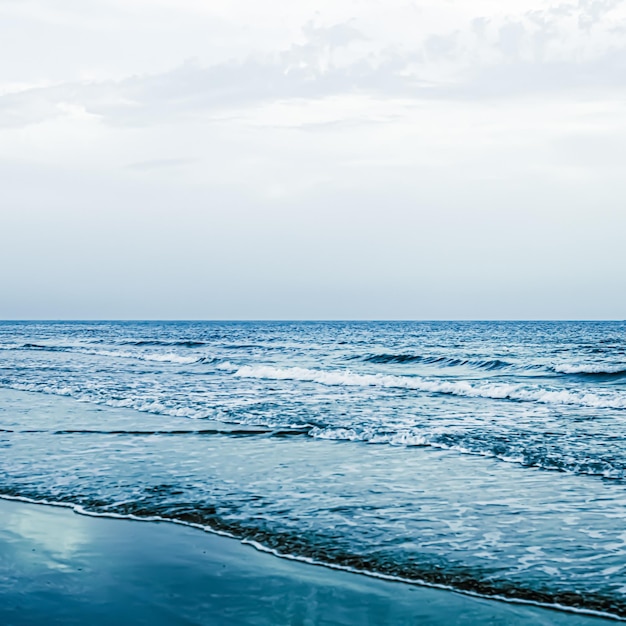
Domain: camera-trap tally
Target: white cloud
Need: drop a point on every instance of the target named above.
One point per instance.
(575, 47)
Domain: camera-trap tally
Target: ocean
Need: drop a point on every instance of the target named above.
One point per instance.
(486, 457)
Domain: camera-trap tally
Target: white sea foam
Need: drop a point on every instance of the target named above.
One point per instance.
(431, 439)
(156, 357)
(158, 408)
(131, 402)
(496, 391)
(227, 366)
(400, 438)
(77, 348)
(589, 368)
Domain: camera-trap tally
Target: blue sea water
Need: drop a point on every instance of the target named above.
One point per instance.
(489, 457)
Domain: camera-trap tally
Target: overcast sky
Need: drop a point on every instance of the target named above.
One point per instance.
(350, 159)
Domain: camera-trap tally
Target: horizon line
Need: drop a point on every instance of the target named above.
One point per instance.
(302, 320)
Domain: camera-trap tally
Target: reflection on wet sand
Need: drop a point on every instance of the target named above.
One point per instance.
(57, 567)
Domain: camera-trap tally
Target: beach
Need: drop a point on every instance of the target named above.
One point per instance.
(58, 567)
(421, 453)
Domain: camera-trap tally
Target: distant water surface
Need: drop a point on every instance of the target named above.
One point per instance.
(489, 457)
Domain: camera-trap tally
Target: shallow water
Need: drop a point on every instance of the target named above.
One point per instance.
(61, 568)
(490, 457)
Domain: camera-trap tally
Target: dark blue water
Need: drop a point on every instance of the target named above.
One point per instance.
(489, 457)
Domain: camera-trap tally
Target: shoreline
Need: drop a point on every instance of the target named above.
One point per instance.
(74, 566)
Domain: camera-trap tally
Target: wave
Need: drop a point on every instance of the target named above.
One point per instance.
(583, 369)
(156, 342)
(495, 391)
(36, 346)
(442, 361)
(591, 369)
(155, 357)
(294, 547)
(169, 357)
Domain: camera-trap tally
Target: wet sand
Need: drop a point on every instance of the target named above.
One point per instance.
(57, 567)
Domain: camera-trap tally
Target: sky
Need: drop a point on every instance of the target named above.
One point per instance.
(353, 159)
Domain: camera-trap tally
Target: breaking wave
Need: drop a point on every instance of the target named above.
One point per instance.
(592, 369)
(495, 391)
